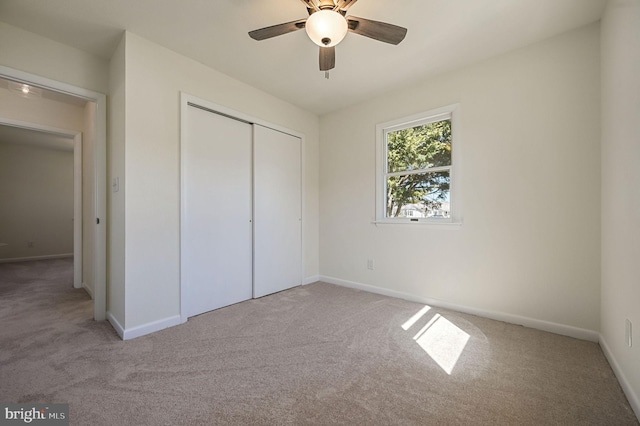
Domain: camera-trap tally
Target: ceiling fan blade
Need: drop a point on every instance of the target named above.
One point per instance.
(327, 58)
(344, 5)
(380, 31)
(276, 30)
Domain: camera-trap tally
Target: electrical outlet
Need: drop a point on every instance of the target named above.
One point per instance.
(629, 333)
(370, 264)
(31, 244)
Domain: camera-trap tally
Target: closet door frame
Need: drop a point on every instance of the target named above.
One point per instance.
(185, 101)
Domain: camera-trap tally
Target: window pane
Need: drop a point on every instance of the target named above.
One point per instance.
(419, 195)
(419, 147)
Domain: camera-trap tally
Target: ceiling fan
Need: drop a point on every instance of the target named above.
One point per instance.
(328, 24)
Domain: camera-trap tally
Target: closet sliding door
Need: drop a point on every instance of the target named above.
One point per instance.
(277, 211)
(216, 228)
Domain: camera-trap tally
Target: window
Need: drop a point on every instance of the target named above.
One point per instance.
(416, 159)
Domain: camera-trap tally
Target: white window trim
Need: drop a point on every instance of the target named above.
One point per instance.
(438, 114)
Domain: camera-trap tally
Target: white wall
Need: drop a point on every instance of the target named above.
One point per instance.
(154, 78)
(36, 189)
(115, 200)
(530, 242)
(26, 51)
(621, 190)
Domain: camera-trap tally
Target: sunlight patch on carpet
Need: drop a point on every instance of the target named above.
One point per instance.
(407, 325)
(442, 340)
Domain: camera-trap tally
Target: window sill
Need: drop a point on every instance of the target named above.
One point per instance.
(437, 224)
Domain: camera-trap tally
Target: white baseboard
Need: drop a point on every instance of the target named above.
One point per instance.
(310, 280)
(88, 289)
(565, 330)
(115, 324)
(144, 329)
(634, 401)
(27, 259)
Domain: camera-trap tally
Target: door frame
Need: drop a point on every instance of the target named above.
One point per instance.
(100, 168)
(77, 185)
(187, 99)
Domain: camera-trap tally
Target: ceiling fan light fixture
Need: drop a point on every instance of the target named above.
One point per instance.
(326, 28)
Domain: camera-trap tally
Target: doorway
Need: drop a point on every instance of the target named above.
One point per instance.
(94, 161)
(35, 169)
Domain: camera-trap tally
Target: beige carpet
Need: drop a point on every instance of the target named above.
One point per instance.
(318, 354)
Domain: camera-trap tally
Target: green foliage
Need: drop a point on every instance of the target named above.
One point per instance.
(418, 148)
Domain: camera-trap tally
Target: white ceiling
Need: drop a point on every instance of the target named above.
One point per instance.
(443, 34)
(18, 135)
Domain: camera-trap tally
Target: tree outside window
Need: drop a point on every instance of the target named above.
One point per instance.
(418, 172)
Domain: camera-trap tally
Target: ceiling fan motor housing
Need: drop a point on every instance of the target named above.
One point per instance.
(326, 4)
